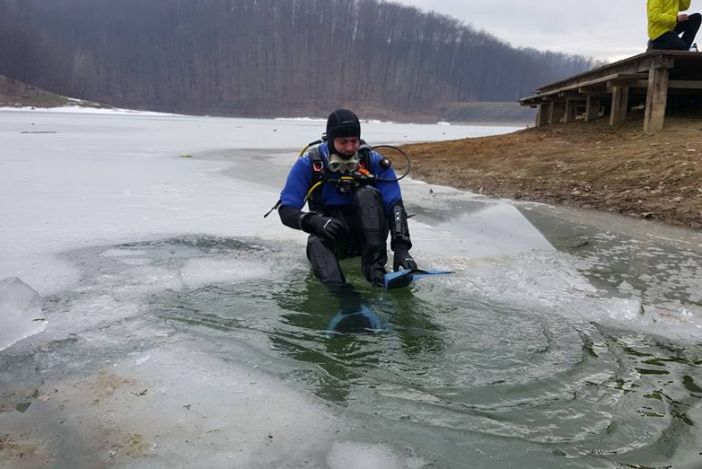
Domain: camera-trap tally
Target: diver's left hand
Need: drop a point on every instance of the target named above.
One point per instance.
(402, 259)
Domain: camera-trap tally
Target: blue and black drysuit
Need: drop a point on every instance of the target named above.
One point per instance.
(366, 214)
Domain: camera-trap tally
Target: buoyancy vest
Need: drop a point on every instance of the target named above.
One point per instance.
(346, 183)
(309, 180)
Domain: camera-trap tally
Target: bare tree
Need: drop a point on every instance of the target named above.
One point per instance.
(265, 57)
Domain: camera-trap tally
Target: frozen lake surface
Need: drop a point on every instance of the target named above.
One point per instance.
(151, 317)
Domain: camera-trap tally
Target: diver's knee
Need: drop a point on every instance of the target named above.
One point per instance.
(316, 246)
(368, 195)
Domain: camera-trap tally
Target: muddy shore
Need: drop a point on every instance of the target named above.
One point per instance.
(587, 165)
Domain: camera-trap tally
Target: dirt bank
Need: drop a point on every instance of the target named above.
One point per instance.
(589, 165)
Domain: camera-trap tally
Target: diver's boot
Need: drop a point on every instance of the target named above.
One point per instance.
(377, 277)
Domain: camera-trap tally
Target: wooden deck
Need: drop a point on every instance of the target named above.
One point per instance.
(642, 80)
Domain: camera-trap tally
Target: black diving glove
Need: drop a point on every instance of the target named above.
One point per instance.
(325, 227)
(402, 258)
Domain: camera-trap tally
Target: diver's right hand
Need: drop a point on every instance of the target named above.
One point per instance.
(325, 227)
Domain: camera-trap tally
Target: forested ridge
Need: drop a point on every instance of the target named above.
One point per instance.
(265, 57)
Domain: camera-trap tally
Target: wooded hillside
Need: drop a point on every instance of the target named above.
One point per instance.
(265, 57)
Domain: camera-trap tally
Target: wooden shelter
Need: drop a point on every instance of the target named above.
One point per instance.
(642, 80)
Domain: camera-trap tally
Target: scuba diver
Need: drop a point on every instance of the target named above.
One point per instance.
(354, 202)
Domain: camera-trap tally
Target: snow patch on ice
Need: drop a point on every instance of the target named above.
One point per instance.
(135, 261)
(352, 455)
(117, 252)
(143, 280)
(199, 272)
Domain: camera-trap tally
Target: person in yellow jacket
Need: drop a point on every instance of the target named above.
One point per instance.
(666, 24)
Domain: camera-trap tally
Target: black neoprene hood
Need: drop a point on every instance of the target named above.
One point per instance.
(342, 123)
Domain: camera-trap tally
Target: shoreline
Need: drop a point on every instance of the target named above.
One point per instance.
(583, 165)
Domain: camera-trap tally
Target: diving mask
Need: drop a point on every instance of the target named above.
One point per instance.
(337, 164)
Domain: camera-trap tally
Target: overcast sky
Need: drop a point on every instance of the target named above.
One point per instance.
(603, 29)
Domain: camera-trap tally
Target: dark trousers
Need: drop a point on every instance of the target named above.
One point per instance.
(367, 235)
(672, 39)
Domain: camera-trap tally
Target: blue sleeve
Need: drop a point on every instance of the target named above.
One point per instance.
(297, 184)
(387, 182)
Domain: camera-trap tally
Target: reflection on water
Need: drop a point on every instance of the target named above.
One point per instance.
(346, 357)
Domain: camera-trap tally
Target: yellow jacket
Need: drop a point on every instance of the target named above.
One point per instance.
(663, 15)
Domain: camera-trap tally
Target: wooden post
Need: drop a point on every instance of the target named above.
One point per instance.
(592, 108)
(656, 98)
(556, 112)
(620, 101)
(570, 110)
(540, 117)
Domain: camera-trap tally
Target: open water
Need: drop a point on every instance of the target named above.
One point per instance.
(466, 377)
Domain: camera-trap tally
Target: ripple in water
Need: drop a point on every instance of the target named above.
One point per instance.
(457, 376)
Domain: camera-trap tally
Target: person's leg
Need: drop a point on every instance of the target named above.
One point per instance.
(352, 316)
(669, 41)
(689, 29)
(372, 225)
(325, 265)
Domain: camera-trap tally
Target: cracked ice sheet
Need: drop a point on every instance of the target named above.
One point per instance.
(175, 406)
